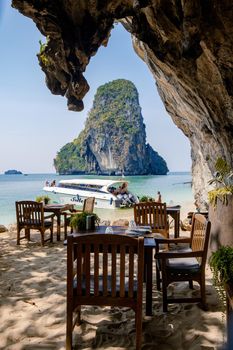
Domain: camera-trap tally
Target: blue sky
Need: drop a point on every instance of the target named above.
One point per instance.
(35, 124)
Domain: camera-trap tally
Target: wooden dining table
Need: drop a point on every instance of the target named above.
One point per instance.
(149, 246)
(174, 212)
(58, 209)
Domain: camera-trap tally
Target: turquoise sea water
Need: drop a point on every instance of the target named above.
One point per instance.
(174, 187)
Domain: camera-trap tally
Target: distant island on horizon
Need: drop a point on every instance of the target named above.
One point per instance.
(175, 172)
(13, 172)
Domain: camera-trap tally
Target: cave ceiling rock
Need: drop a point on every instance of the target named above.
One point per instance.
(186, 44)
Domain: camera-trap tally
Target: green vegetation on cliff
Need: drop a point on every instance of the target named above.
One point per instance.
(110, 105)
(68, 159)
(114, 138)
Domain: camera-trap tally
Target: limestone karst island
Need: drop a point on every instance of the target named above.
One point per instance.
(114, 139)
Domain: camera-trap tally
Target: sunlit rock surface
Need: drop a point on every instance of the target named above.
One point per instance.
(186, 44)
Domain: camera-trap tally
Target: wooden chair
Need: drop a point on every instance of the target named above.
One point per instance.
(88, 207)
(116, 278)
(187, 264)
(30, 215)
(153, 214)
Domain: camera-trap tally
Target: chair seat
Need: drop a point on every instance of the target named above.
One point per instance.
(47, 223)
(180, 265)
(109, 285)
(173, 250)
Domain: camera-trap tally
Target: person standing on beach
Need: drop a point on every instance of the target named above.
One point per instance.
(159, 198)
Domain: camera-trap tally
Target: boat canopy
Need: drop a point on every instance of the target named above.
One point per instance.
(90, 183)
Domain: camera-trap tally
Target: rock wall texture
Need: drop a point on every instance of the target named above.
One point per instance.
(221, 229)
(114, 139)
(186, 44)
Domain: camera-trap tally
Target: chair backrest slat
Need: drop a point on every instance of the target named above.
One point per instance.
(96, 270)
(131, 271)
(122, 270)
(87, 269)
(114, 262)
(79, 267)
(144, 214)
(105, 270)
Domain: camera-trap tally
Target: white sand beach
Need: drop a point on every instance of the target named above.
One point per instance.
(33, 308)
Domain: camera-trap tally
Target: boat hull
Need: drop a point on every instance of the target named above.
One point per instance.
(77, 198)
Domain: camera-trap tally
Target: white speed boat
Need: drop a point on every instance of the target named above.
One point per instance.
(108, 193)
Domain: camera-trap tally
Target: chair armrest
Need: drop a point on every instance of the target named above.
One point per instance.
(172, 255)
(71, 212)
(167, 241)
(75, 211)
(172, 240)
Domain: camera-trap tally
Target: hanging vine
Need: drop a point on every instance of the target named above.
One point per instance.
(42, 55)
(223, 180)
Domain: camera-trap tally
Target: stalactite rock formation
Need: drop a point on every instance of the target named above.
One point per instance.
(188, 46)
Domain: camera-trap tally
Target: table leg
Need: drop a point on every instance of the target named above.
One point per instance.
(176, 217)
(177, 225)
(58, 227)
(148, 254)
(27, 233)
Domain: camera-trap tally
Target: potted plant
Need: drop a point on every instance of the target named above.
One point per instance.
(146, 199)
(221, 264)
(45, 199)
(79, 221)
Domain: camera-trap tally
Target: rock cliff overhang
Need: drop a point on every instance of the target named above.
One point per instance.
(186, 44)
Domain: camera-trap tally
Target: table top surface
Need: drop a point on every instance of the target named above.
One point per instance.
(52, 207)
(148, 240)
(173, 209)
